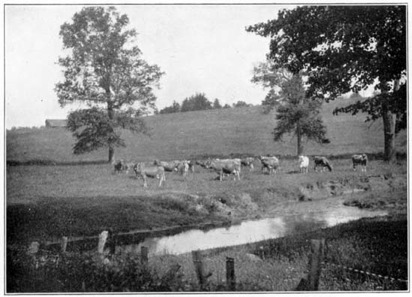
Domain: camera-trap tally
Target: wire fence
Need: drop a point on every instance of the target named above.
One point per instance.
(42, 262)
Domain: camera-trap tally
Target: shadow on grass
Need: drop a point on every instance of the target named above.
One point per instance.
(46, 162)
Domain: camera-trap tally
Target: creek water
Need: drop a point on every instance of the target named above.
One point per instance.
(297, 218)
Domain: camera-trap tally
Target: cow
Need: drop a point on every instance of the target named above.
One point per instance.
(323, 163)
(191, 166)
(303, 164)
(121, 166)
(226, 166)
(143, 171)
(270, 163)
(202, 163)
(360, 160)
(248, 162)
(168, 166)
(183, 167)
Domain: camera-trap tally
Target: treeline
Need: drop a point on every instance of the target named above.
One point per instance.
(198, 101)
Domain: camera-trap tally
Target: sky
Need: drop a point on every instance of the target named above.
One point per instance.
(201, 48)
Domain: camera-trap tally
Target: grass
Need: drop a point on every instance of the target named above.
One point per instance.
(58, 194)
(47, 202)
(378, 246)
(202, 133)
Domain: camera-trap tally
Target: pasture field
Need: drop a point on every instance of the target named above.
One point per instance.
(47, 202)
(198, 134)
(54, 193)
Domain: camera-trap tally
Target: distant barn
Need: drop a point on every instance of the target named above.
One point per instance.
(56, 123)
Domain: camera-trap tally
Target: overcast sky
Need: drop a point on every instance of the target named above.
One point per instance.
(202, 49)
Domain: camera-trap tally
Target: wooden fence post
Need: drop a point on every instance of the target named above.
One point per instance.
(197, 261)
(144, 259)
(102, 241)
(33, 248)
(230, 274)
(315, 262)
(64, 244)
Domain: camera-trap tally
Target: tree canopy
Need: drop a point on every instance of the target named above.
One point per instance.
(343, 49)
(198, 101)
(105, 70)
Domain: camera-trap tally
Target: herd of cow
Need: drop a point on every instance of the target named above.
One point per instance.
(224, 166)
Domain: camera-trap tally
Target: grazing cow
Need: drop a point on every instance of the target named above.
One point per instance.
(202, 163)
(360, 160)
(248, 162)
(183, 167)
(121, 166)
(227, 166)
(168, 166)
(191, 166)
(322, 162)
(270, 163)
(303, 164)
(145, 171)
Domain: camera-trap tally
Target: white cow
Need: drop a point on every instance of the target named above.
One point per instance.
(303, 164)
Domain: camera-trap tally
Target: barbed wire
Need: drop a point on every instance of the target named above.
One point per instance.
(392, 279)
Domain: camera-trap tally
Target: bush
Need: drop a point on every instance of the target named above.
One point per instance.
(86, 273)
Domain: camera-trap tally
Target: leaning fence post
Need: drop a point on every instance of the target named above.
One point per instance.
(64, 244)
(144, 259)
(197, 261)
(230, 274)
(315, 262)
(102, 241)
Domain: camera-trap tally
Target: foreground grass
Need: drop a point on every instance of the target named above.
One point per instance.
(378, 246)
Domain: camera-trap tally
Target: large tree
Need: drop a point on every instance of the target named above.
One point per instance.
(105, 70)
(343, 49)
(295, 113)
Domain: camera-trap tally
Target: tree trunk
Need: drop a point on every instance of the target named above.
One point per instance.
(110, 113)
(299, 139)
(111, 154)
(389, 122)
(389, 127)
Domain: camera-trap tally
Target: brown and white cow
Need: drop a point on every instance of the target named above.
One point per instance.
(248, 162)
(269, 163)
(322, 162)
(360, 160)
(144, 171)
(226, 166)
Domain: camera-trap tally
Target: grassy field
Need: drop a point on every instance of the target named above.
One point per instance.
(60, 194)
(47, 202)
(204, 133)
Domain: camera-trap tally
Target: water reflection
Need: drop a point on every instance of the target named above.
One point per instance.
(249, 231)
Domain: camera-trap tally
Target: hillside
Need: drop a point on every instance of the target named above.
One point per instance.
(206, 133)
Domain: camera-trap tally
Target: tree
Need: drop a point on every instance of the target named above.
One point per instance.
(196, 102)
(226, 106)
(295, 112)
(175, 107)
(104, 69)
(346, 48)
(240, 103)
(216, 104)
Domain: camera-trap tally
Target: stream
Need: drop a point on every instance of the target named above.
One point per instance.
(297, 218)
